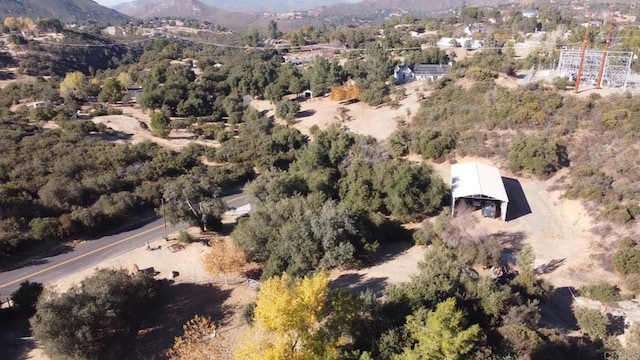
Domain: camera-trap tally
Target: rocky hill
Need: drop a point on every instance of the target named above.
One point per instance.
(64, 10)
(193, 9)
(255, 6)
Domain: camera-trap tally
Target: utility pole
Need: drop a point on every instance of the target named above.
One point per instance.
(584, 50)
(164, 219)
(606, 52)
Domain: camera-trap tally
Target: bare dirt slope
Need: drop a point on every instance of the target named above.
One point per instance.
(378, 122)
(130, 123)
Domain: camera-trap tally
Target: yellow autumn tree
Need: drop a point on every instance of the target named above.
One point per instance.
(10, 22)
(349, 91)
(198, 341)
(125, 79)
(72, 84)
(338, 94)
(26, 23)
(287, 321)
(224, 258)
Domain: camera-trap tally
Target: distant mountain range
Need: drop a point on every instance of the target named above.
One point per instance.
(256, 6)
(194, 9)
(64, 10)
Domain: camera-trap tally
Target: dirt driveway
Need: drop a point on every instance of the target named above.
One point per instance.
(558, 229)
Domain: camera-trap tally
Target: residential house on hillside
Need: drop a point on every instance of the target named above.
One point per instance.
(298, 61)
(472, 30)
(430, 72)
(134, 91)
(465, 42)
(404, 74)
(38, 104)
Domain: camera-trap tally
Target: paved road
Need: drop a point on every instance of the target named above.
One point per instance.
(90, 253)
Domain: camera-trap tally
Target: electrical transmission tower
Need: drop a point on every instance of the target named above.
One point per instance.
(597, 68)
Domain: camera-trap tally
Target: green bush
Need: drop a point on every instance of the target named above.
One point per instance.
(248, 313)
(617, 212)
(533, 153)
(592, 322)
(435, 144)
(561, 83)
(601, 292)
(26, 297)
(520, 338)
(160, 124)
(627, 261)
(184, 237)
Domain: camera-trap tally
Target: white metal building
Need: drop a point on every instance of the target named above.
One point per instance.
(478, 182)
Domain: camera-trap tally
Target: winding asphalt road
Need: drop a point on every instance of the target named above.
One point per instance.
(90, 253)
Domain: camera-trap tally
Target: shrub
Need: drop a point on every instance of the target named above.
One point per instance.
(435, 144)
(45, 228)
(617, 212)
(561, 83)
(26, 297)
(399, 142)
(91, 320)
(592, 322)
(533, 153)
(160, 124)
(627, 261)
(426, 233)
(601, 292)
(248, 313)
(184, 237)
(520, 338)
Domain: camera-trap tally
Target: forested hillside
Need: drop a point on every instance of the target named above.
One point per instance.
(81, 11)
(321, 202)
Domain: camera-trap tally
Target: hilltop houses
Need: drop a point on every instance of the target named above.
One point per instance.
(424, 72)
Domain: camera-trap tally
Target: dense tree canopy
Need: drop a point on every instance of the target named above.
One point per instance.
(95, 318)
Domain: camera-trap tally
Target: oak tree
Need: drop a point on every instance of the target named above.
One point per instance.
(198, 341)
(440, 334)
(223, 258)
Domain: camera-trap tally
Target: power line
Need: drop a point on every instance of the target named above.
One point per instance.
(302, 47)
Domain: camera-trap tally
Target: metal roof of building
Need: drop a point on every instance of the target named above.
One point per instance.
(474, 179)
(431, 69)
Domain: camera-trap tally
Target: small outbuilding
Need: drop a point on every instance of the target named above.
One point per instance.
(481, 186)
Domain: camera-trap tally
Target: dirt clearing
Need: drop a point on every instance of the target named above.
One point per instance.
(134, 124)
(378, 122)
(560, 230)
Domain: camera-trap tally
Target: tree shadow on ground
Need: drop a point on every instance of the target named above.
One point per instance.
(549, 267)
(616, 325)
(112, 136)
(176, 304)
(304, 113)
(15, 335)
(7, 75)
(388, 251)
(557, 311)
(38, 255)
(34, 257)
(357, 283)
(518, 205)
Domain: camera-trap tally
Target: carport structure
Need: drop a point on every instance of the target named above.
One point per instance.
(479, 183)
